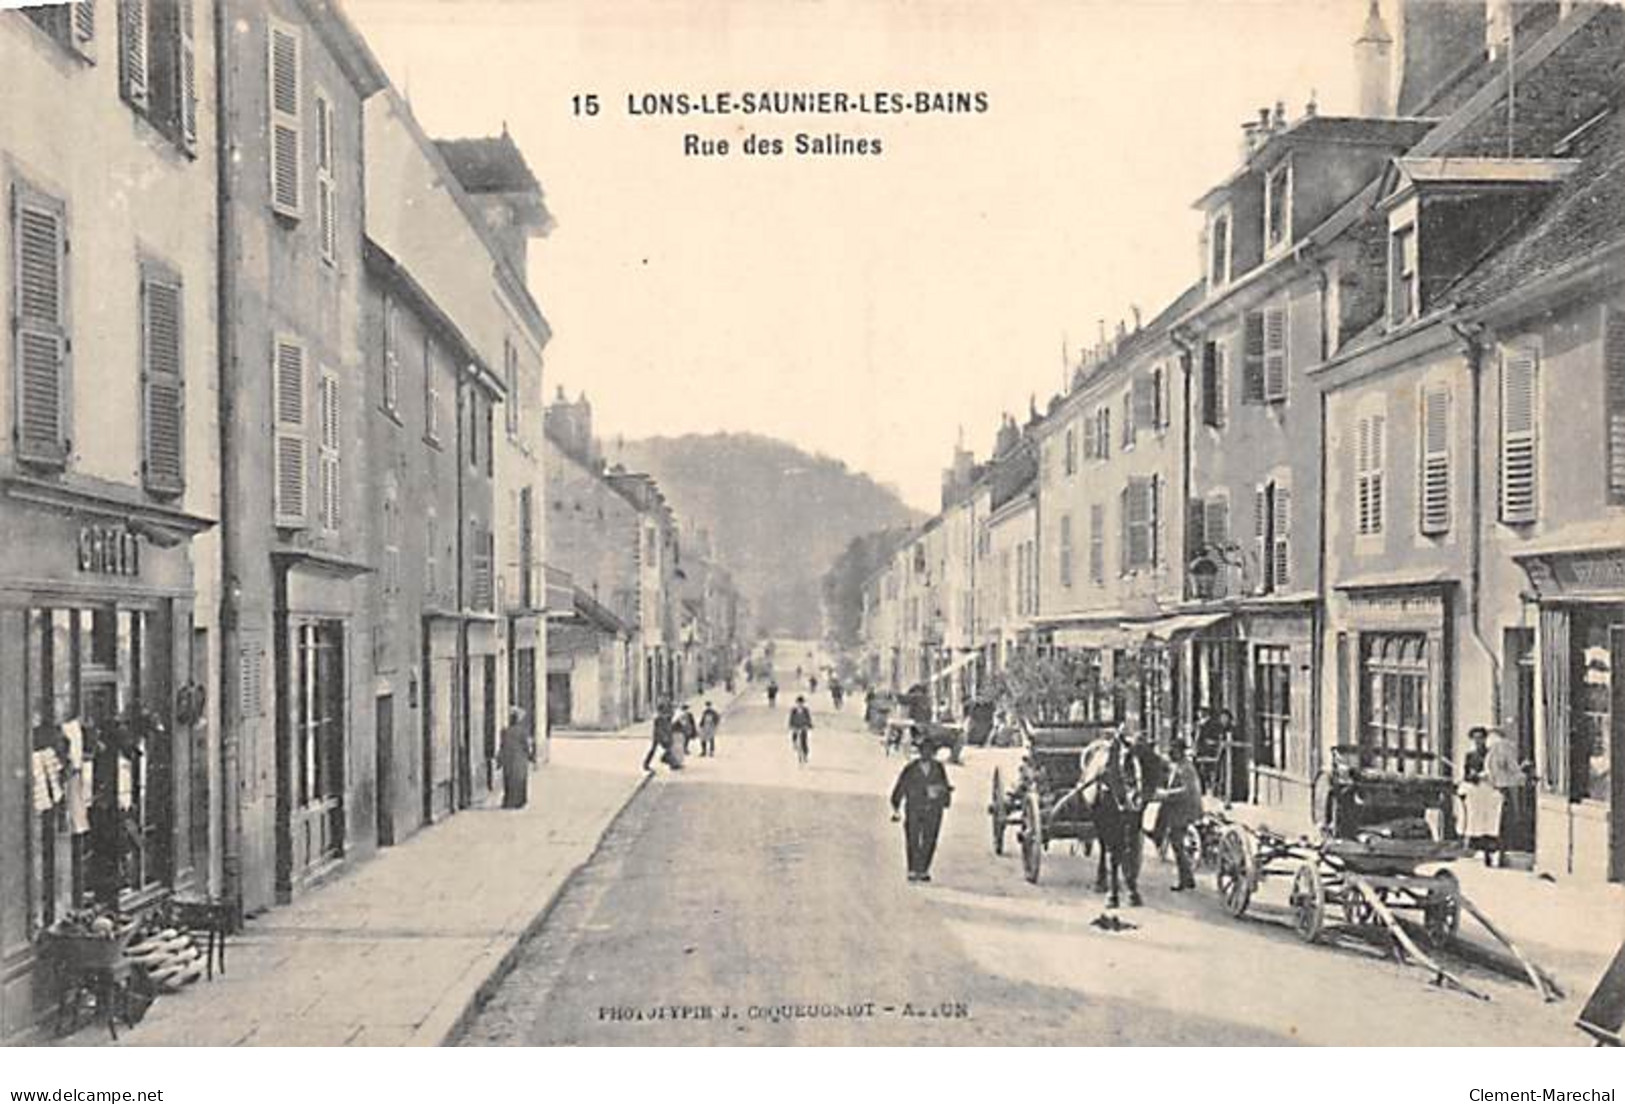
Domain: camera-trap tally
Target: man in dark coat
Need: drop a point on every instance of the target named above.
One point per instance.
(516, 753)
(1181, 807)
(683, 727)
(800, 725)
(661, 737)
(922, 793)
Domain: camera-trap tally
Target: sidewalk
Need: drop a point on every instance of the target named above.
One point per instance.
(1571, 928)
(397, 951)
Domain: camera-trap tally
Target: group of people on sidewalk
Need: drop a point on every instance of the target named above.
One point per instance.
(673, 735)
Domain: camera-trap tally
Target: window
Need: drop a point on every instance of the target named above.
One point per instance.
(72, 25)
(1404, 289)
(1252, 357)
(286, 125)
(1614, 401)
(1218, 265)
(1128, 419)
(1433, 475)
(1275, 363)
(527, 547)
(1272, 691)
(163, 383)
(1097, 543)
(489, 422)
(171, 68)
(431, 391)
(1103, 433)
(1154, 402)
(1368, 475)
(1216, 520)
(40, 327)
(480, 544)
(510, 379)
(318, 734)
(329, 477)
(288, 372)
(1213, 384)
(1091, 429)
(1519, 403)
(326, 195)
(1278, 205)
(132, 52)
(1394, 722)
(1272, 531)
(1140, 506)
(392, 356)
(1070, 455)
(1066, 550)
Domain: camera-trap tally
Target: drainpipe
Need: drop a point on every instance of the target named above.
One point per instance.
(1472, 339)
(1186, 347)
(1317, 643)
(460, 701)
(230, 728)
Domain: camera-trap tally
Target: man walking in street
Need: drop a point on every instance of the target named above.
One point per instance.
(660, 742)
(772, 692)
(1181, 807)
(800, 725)
(922, 792)
(1503, 771)
(709, 721)
(684, 728)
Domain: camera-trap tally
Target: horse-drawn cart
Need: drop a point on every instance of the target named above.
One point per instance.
(1042, 802)
(1377, 830)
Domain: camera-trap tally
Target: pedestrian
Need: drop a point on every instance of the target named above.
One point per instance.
(1503, 771)
(1077, 712)
(1224, 744)
(772, 692)
(709, 722)
(922, 792)
(1181, 807)
(684, 727)
(812, 685)
(800, 725)
(661, 740)
(837, 693)
(516, 753)
(1207, 749)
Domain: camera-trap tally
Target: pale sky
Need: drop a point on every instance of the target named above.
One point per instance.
(861, 307)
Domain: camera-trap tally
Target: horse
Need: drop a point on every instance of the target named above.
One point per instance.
(1112, 785)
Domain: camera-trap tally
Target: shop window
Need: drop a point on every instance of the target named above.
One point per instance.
(1593, 681)
(1272, 710)
(1394, 721)
(102, 787)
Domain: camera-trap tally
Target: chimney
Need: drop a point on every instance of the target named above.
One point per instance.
(1433, 40)
(1372, 65)
(1135, 307)
(1498, 20)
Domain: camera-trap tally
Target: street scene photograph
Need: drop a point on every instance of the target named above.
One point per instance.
(811, 523)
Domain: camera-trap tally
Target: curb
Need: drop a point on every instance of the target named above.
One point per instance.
(451, 1015)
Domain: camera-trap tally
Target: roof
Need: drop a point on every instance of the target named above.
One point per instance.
(488, 164)
(1326, 130)
(1484, 170)
(1586, 216)
(380, 263)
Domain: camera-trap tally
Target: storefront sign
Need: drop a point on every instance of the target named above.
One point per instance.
(109, 550)
(1556, 576)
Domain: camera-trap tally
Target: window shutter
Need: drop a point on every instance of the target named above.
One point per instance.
(186, 74)
(1217, 522)
(1275, 354)
(328, 474)
(132, 32)
(1434, 491)
(1282, 536)
(1210, 384)
(326, 193)
(40, 321)
(1195, 529)
(1089, 430)
(1375, 475)
(1261, 523)
(1153, 523)
(1124, 510)
(1137, 522)
(1145, 401)
(1159, 397)
(431, 392)
(1105, 438)
(289, 369)
(163, 386)
(392, 356)
(1128, 418)
(1252, 357)
(82, 28)
(1097, 542)
(286, 139)
(1518, 461)
(1614, 365)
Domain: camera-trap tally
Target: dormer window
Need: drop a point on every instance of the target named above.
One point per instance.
(1404, 286)
(1278, 206)
(1218, 238)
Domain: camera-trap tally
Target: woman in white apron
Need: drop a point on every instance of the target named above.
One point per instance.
(1483, 827)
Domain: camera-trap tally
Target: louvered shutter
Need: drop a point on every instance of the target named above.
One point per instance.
(1614, 362)
(392, 356)
(163, 386)
(1145, 402)
(289, 370)
(186, 74)
(1362, 462)
(326, 194)
(132, 51)
(1217, 523)
(1128, 419)
(328, 476)
(1434, 489)
(1159, 397)
(1261, 526)
(1195, 529)
(1097, 542)
(1137, 522)
(1376, 474)
(1281, 537)
(1518, 444)
(1124, 559)
(1275, 365)
(82, 28)
(1252, 357)
(286, 140)
(40, 326)
(1089, 431)
(1210, 384)
(1105, 437)
(1153, 520)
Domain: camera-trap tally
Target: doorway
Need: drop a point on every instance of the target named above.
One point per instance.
(384, 730)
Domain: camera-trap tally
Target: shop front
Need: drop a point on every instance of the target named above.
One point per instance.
(102, 745)
(1580, 652)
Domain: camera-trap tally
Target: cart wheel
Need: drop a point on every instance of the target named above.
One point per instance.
(1357, 910)
(1238, 869)
(1191, 841)
(995, 809)
(1441, 916)
(1308, 901)
(1032, 838)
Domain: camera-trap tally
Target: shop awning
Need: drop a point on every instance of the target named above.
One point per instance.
(1169, 628)
(963, 661)
(1091, 636)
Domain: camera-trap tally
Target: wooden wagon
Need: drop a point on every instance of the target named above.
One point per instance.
(1041, 802)
(1378, 829)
